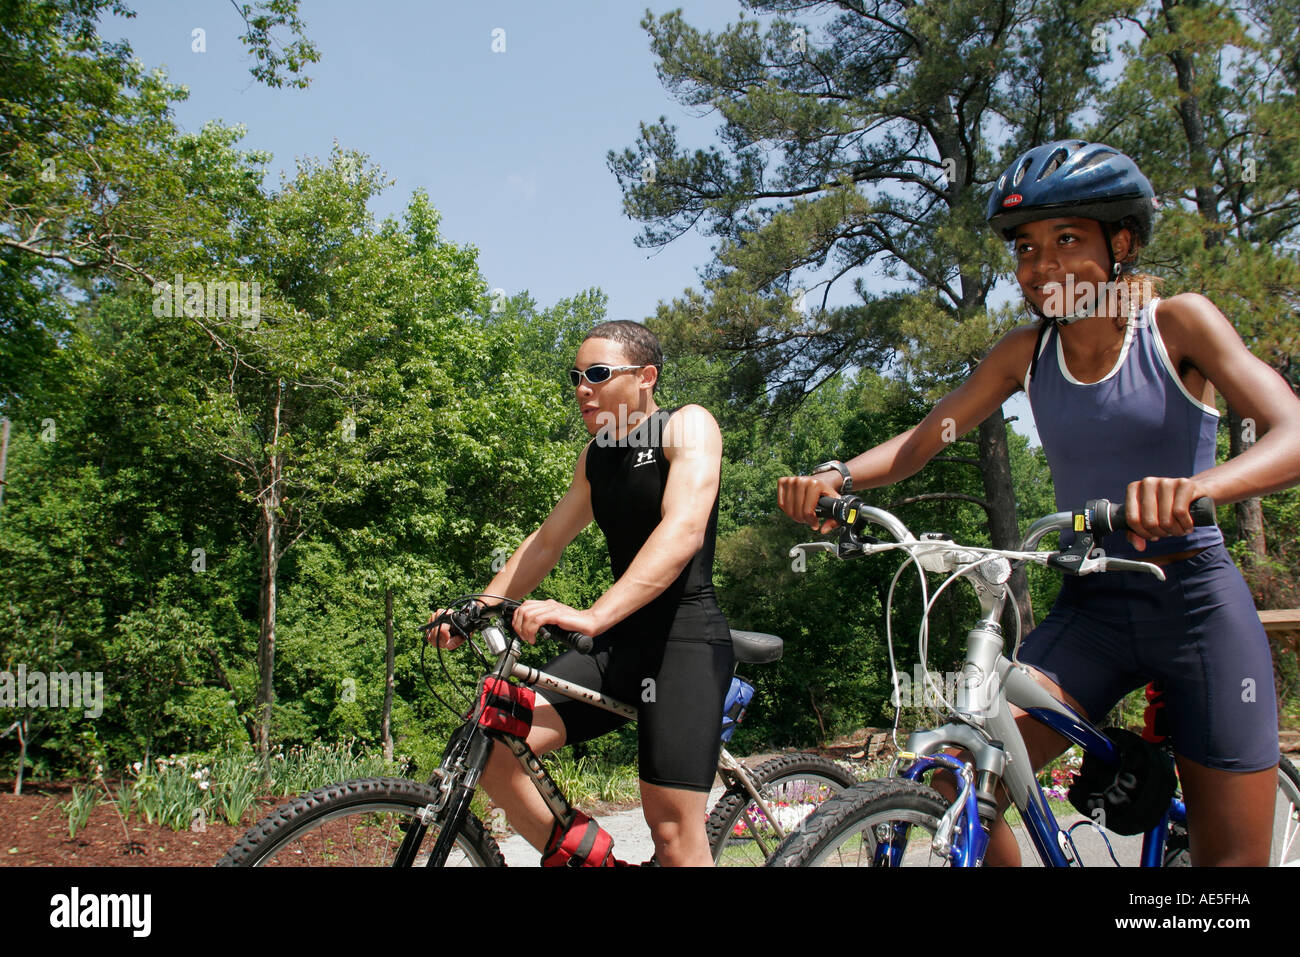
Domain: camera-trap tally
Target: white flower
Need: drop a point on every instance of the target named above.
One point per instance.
(204, 785)
(136, 767)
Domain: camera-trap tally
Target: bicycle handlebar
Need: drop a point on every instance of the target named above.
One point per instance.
(1098, 518)
(476, 616)
(1110, 517)
(1102, 516)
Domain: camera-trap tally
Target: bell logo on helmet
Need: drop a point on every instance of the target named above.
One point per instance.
(1012, 200)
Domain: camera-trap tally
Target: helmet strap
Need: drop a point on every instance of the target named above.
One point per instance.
(1038, 345)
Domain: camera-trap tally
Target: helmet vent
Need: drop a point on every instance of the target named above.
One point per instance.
(1099, 157)
(1053, 164)
(1020, 173)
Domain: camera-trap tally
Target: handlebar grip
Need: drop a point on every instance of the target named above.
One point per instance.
(574, 639)
(1110, 517)
(842, 510)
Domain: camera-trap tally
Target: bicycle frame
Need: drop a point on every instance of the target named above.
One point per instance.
(991, 681)
(465, 757)
(1054, 845)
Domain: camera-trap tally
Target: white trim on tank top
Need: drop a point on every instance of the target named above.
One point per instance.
(1169, 365)
(1119, 363)
(1150, 312)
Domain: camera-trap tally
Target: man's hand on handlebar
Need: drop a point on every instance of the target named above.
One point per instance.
(797, 495)
(531, 615)
(445, 635)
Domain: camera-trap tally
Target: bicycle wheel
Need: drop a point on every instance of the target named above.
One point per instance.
(359, 823)
(863, 826)
(792, 785)
(1286, 817)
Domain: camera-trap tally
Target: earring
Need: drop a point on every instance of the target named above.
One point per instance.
(1115, 270)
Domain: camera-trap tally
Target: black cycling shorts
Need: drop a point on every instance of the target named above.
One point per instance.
(677, 683)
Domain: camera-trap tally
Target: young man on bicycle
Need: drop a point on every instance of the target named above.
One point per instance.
(650, 479)
(1123, 397)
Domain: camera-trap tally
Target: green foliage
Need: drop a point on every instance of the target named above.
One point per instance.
(78, 807)
(834, 676)
(585, 780)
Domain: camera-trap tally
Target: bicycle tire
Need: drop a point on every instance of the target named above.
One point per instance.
(848, 829)
(738, 834)
(358, 823)
(1285, 851)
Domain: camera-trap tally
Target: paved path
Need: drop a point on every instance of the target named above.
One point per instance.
(631, 835)
(632, 841)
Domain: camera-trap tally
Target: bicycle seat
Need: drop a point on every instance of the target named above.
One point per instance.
(756, 648)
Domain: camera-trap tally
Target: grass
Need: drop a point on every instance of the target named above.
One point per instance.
(186, 792)
(587, 780)
(78, 807)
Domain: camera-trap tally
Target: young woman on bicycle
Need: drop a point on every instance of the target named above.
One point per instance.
(650, 479)
(1122, 388)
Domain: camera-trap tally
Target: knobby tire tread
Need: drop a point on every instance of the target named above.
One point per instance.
(845, 811)
(726, 811)
(284, 822)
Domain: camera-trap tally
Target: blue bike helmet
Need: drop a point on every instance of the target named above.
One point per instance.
(1072, 178)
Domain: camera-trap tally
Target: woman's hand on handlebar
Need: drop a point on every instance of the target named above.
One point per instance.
(797, 495)
(531, 615)
(1158, 507)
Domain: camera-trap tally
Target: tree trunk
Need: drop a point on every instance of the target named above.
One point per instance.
(22, 755)
(266, 630)
(386, 723)
(269, 499)
(1004, 529)
(4, 455)
(1250, 513)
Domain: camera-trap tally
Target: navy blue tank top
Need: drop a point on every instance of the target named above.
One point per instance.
(1138, 420)
(627, 479)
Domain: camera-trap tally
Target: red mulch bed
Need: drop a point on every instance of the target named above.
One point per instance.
(34, 833)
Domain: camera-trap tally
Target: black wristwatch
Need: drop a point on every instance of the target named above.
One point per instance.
(837, 466)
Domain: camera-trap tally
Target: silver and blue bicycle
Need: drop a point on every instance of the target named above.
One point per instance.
(901, 820)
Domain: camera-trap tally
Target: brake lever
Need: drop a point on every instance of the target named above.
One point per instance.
(822, 546)
(1105, 564)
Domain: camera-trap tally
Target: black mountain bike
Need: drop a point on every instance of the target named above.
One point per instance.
(403, 823)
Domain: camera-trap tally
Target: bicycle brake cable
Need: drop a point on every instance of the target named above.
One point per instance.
(451, 681)
(889, 636)
(959, 573)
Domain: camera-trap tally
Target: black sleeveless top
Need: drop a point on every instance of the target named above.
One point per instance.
(627, 478)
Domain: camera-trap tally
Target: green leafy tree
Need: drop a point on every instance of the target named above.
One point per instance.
(88, 169)
(855, 149)
(1207, 105)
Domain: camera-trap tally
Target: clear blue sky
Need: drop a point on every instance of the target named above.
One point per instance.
(509, 145)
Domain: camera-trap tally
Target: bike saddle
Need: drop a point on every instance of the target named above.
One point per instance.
(756, 648)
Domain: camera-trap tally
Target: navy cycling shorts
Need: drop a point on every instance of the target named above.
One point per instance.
(1197, 633)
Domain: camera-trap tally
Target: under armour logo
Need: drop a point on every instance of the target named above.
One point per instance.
(644, 458)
